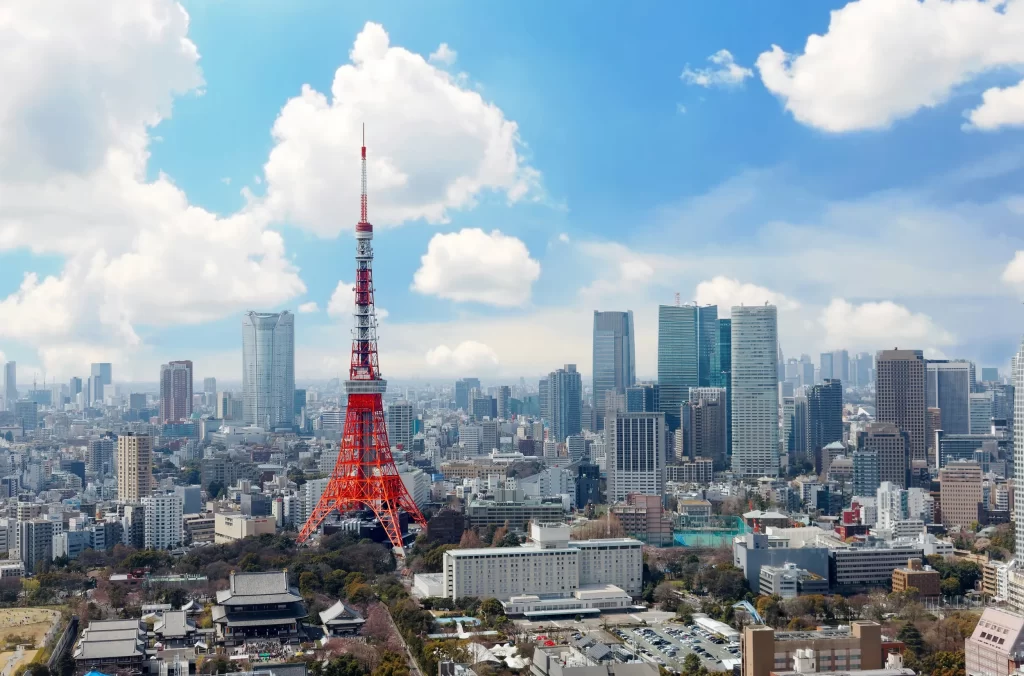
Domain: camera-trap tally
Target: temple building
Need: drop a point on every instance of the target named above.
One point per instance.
(259, 606)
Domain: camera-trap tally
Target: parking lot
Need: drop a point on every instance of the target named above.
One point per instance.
(668, 645)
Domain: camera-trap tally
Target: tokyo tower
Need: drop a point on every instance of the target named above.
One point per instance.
(365, 474)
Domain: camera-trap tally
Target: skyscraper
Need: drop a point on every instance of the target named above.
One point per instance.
(134, 467)
(10, 384)
(101, 376)
(209, 386)
(635, 446)
(891, 443)
(614, 359)
(948, 386)
(268, 368)
(755, 391)
(824, 418)
(688, 355)
(462, 388)
(504, 402)
(841, 365)
(725, 379)
(176, 391)
(75, 386)
(1017, 377)
(704, 424)
(826, 365)
(543, 400)
(643, 398)
(565, 399)
(900, 396)
(981, 412)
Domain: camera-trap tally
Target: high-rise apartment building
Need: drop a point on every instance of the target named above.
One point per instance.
(704, 425)
(799, 445)
(10, 384)
(900, 395)
(1017, 375)
(824, 417)
(400, 424)
(960, 493)
(163, 521)
(892, 446)
(100, 457)
(614, 359)
(176, 391)
(688, 355)
(755, 391)
(948, 386)
(268, 369)
(134, 467)
(565, 399)
(636, 454)
(866, 472)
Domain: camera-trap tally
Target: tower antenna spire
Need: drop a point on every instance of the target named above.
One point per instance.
(362, 194)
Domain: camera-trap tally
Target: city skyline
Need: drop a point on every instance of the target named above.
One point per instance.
(501, 277)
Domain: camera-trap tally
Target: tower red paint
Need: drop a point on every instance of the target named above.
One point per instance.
(365, 474)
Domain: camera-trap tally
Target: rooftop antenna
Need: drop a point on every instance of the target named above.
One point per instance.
(678, 303)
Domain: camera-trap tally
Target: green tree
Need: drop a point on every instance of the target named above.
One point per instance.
(910, 635)
(391, 664)
(214, 489)
(950, 586)
(691, 665)
(491, 607)
(8, 436)
(309, 583)
(344, 665)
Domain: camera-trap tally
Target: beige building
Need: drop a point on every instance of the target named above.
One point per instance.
(456, 471)
(919, 577)
(891, 443)
(134, 467)
(643, 517)
(199, 527)
(995, 647)
(900, 395)
(858, 647)
(960, 493)
(230, 527)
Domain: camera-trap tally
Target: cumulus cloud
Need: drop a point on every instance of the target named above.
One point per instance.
(874, 325)
(1013, 273)
(883, 60)
(723, 72)
(563, 238)
(471, 265)
(310, 307)
(83, 87)
(726, 293)
(1000, 107)
(444, 55)
(419, 166)
(469, 356)
(343, 302)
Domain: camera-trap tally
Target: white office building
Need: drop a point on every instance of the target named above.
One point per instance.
(268, 369)
(550, 566)
(164, 527)
(755, 391)
(636, 454)
(400, 416)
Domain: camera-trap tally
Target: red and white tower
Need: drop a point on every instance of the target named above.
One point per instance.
(365, 474)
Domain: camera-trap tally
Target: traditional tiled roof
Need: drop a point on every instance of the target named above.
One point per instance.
(258, 589)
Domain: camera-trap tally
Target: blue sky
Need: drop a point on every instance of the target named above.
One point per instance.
(554, 159)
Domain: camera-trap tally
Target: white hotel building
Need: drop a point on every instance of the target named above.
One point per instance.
(550, 567)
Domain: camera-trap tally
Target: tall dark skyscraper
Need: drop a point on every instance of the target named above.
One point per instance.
(176, 391)
(900, 396)
(824, 417)
(565, 399)
(643, 398)
(689, 355)
(614, 359)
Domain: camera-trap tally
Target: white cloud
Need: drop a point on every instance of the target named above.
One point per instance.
(310, 307)
(420, 165)
(468, 357)
(1013, 273)
(883, 60)
(563, 238)
(82, 88)
(226, 180)
(444, 55)
(343, 303)
(726, 293)
(1000, 107)
(723, 72)
(471, 265)
(876, 325)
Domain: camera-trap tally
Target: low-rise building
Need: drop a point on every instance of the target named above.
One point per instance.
(567, 661)
(754, 550)
(174, 629)
(922, 578)
(516, 513)
(587, 600)
(694, 513)
(847, 649)
(643, 517)
(229, 527)
(340, 620)
(200, 527)
(869, 565)
(695, 471)
(258, 606)
(789, 581)
(111, 646)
